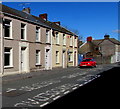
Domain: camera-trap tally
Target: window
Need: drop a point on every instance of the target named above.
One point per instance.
(37, 33)
(70, 56)
(23, 31)
(37, 57)
(7, 56)
(57, 56)
(64, 39)
(71, 43)
(8, 28)
(47, 36)
(75, 41)
(57, 38)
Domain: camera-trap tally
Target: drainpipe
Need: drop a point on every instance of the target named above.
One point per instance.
(2, 43)
(51, 46)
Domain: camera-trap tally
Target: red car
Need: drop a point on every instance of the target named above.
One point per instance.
(88, 62)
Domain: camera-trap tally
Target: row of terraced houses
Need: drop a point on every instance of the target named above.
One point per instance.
(30, 43)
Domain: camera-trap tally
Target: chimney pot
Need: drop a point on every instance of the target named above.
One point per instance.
(43, 16)
(89, 39)
(58, 23)
(106, 36)
(27, 10)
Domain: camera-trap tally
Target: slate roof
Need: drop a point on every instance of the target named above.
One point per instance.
(113, 40)
(33, 19)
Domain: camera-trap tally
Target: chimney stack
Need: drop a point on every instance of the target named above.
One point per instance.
(43, 16)
(89, 39)
(58, 23)
(27, 10)
(106, 36)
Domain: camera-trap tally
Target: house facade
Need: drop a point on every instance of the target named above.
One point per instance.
(30, 43)
(104, 51)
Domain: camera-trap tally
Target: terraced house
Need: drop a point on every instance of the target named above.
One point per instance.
(31, 43)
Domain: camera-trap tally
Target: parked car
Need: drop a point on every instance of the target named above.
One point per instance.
(90, 62)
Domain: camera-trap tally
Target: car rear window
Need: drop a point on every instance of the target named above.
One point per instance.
(85, 60)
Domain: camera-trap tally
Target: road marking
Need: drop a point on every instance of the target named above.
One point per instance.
(81, 85)
(56, 97)
(66, 92)
(74, 88)
(10, 90)
(44, 104)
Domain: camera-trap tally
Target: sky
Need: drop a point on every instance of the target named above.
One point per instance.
(88, 18)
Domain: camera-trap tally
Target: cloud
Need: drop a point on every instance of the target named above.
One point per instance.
(116, 31)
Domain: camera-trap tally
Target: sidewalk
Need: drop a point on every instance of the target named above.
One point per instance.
(13, 77)
(9, 78)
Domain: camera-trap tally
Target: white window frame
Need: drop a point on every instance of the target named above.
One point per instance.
(25, 34)
(10, 57)
(10, 28)
(38, 34)
(47, 36)
(64, 39)
(57, 57)
(70, 56)
(75, 41)
(71, 41)
(38, 57)
(57, 38)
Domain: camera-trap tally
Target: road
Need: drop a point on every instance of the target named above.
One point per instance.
(43, 89)
(102, 92)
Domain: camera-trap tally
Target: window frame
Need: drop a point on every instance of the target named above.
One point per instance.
(10, 28)
(47, 36)
(10, 57)
(57, 57)
(24, 34)
(38, 60)
(38, 34)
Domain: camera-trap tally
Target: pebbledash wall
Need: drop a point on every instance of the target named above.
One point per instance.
(28, 54)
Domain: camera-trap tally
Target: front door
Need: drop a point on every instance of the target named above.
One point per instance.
(47, 59)
(63, 59)
(23, 57)
(75, 63)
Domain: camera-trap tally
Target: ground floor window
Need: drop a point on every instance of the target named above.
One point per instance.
(37, 57)
(70, 57)
(7, 56)
(57, 56)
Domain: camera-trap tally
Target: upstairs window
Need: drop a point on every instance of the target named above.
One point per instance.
(8, 28)
(71, 41)
(64, 39)
(23, 31)
(37, 33)
(75, 41)
(57, 38)
(47, 36)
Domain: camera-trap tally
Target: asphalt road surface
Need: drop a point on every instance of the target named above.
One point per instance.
(71, 87)
(101, 93)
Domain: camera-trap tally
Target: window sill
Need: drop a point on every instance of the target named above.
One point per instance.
(70, 61)
(38, 42)
(57, 63)
(8, 67)
(38, 65)
(9, 38)
(24, 40)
